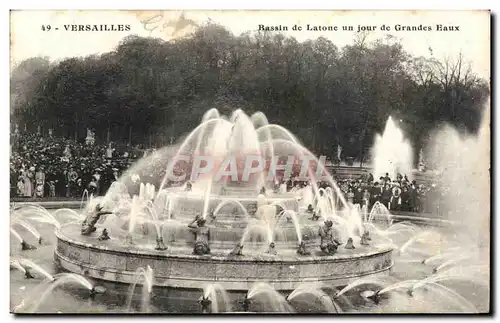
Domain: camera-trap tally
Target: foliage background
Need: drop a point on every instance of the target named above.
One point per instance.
(151, 90)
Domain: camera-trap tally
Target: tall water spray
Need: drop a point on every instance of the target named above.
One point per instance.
(392, 153)
(463, 162)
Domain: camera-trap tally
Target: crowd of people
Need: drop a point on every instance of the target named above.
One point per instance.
(399, 194)
(57, 167)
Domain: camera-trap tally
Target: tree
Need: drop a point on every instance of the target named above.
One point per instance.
(325, 94)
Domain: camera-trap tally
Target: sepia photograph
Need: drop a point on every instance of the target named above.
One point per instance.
(250, 162)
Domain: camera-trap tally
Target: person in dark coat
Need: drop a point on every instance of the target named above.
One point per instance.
(375, 194)
(386, 195)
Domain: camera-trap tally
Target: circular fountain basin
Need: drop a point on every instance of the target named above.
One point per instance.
(115, 260)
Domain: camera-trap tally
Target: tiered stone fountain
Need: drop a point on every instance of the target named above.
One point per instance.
(254, 234)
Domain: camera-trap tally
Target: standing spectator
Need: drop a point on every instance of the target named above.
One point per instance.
(40, 181)
(350, 196)
(28, 182)
(14, 178)
(79, 187)
(387, 179)
(20, 185)
(405, 199)
(97, 180)
(71, 178)
(60, 183)
(358, 195)
(386, 195)
(376, 193)
(366, 198)
(395, 203)
(370, 178)
(52, 189)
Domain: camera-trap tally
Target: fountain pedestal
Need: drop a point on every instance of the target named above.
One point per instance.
(116, 261)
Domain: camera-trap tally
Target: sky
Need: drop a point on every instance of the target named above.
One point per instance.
(472, 40)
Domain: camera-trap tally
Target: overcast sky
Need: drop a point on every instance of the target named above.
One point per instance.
(473, 39)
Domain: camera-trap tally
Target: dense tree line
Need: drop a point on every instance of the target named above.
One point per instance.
(154, 90)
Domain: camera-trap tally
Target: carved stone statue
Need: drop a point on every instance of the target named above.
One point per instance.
(205, 304)
(272, 249)
(302, 250)
(237, 251)
(246, 304)
(104, 235)
(201, 235)
(314, 217)
(160, 246)
(328, 243)
(88, 225)
(27, 246)
(212, 216)
(365, 237)
(28, 274)
(349, 244)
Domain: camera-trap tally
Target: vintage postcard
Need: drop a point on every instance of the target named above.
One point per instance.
(211, 162)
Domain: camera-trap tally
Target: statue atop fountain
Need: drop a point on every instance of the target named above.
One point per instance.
(328, 243)
(88, 225)
(201, 235)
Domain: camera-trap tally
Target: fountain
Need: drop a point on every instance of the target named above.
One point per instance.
(222, 243)
(392, 153)
(217, 217)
